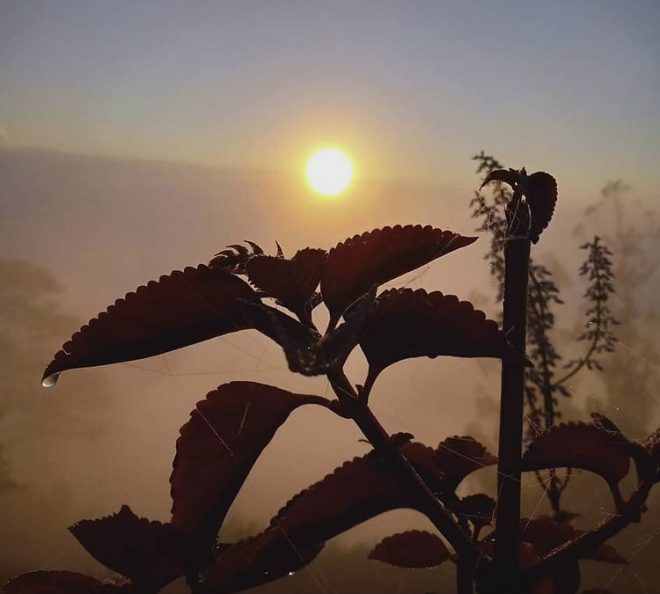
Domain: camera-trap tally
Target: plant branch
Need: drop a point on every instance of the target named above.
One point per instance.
(428, 503)
(581, 363)
(588, 542)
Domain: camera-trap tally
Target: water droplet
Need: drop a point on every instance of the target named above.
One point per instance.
(50, 381)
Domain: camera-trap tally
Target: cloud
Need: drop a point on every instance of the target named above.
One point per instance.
(5, 140)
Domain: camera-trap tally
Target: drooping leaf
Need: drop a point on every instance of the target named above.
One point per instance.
(149, 553)
(178, 310)
(50, 582)
(541, 194)
(580, 445)
(404, 323)
(379, 256)
(411, 549)
(355, 492)
(217, 448)
(290, 281)
(234, 258)
(459, 456)
(545, 535)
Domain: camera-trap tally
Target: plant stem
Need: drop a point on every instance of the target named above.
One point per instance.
(585, 544)
(516, 258)
(466, 552)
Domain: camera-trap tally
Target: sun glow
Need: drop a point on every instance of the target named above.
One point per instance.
(329, 171)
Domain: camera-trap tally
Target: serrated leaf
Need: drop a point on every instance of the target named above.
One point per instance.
(580, 445)
(235, 257)
(404, 323)
(178, 310)
(355, 492)
(379, 256)
(281, 561)
(457, 457)
(541, 194)
(217, 448)
(411, 549)
(50, 582)
(149, 553)
(291, 282)
(545, 535)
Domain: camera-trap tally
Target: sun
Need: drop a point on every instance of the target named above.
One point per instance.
(329, 171)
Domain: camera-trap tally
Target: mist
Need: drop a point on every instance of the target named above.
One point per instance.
(79, 231)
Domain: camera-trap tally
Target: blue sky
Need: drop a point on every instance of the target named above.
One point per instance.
(411, 89)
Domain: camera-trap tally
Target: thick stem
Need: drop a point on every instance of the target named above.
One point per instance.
(516, 257)
(427, 502)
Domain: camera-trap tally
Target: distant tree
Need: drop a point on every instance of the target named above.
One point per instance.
(633, 232)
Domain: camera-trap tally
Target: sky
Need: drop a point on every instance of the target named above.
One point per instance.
(409, 89)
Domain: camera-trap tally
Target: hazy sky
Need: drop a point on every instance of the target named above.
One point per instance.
(411, 89)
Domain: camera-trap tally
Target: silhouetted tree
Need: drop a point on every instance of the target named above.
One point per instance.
(634, 234)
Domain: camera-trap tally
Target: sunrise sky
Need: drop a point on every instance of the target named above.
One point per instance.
(412, 89)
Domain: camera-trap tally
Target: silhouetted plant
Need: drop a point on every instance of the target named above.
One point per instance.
(230, 428)
(545, 381)
(636, 242)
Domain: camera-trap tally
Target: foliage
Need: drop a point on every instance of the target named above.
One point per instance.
(242, 288)
(547, 379)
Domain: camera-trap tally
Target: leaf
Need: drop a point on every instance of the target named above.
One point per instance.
(541, 193)
(379, 256)
(411, 549)
(404, 323)
(508, 176)
(580, 445)
(545, 535)
(50, 582)
(149, 553)
(355, 492)
(478, 509)
(282, 561)
(457, 457)
(291, 282)
(178, 310)
(235, 257)
(217, 448)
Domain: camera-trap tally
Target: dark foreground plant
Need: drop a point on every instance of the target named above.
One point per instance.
(230, 428)
(546, 382)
